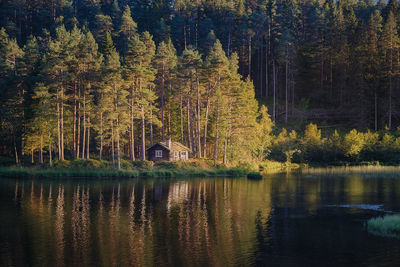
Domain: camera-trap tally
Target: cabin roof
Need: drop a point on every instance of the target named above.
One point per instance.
(175, 146)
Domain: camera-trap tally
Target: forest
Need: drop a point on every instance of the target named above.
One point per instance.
(107, 79)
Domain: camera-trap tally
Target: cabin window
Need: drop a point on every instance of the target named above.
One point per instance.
(176, 154)
(158, 153)
(183, 155)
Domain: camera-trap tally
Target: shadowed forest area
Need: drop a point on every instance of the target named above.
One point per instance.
(235, 81)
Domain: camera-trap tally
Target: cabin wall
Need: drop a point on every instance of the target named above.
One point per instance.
(151, 154)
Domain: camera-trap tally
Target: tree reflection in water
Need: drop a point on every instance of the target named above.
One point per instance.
(144, 223)
(193, 222)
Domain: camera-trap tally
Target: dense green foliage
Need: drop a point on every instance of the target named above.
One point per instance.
(108, 78)
(316, 147)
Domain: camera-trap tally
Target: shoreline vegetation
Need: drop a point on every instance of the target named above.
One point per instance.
(194, 168)
(110, 173)
(138, 169)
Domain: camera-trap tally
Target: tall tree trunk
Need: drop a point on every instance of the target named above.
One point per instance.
(331, 77)
(274, 93)
(287, 84)
(15, 151)
(216, 134)
(112, 146)
(58, 126)
(162, 104)
(131, 132)
(390, 90)
(50, 157)
(151, 126)
(84, 126)
(292, 84)
(181, 109)
(62, 121)
(101, 136)
(78, 141)
(118, 147)
(188, 124)
(32, 156)
(266, 61)
(169, 123)
(88, 139)
(260, 66)
(143, 133)
(205, 127)
(74, 122)
(376, 110)
(390, 103)
(192, 127)
(198, 120)
(41, 150)
(225, 150)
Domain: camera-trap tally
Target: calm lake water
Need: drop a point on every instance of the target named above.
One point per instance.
(282, 220)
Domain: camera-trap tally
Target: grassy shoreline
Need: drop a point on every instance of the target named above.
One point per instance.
(16, 172)
(195, 168)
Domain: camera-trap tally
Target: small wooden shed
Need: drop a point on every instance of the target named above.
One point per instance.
(168, 151)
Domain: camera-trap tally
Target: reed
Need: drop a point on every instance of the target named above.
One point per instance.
(387, 171)
(387, 226)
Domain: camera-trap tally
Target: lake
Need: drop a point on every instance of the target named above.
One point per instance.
(295, 219)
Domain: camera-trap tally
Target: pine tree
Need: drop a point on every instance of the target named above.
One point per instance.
(217, 65)
(90, 61)
(56, 70)
(112, 107)
(188, 73)
(165, 62)
(139, 75)
(41, 129)
(12, 93)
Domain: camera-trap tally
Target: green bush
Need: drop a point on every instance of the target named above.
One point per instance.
(313, 144)
(353, 143)
(350, 149)
(283, 143)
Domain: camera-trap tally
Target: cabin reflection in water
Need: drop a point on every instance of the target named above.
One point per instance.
(146, 223)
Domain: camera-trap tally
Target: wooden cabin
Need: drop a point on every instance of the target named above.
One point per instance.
(168, 151)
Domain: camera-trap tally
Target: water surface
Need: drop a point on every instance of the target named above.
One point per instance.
(282, 220)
